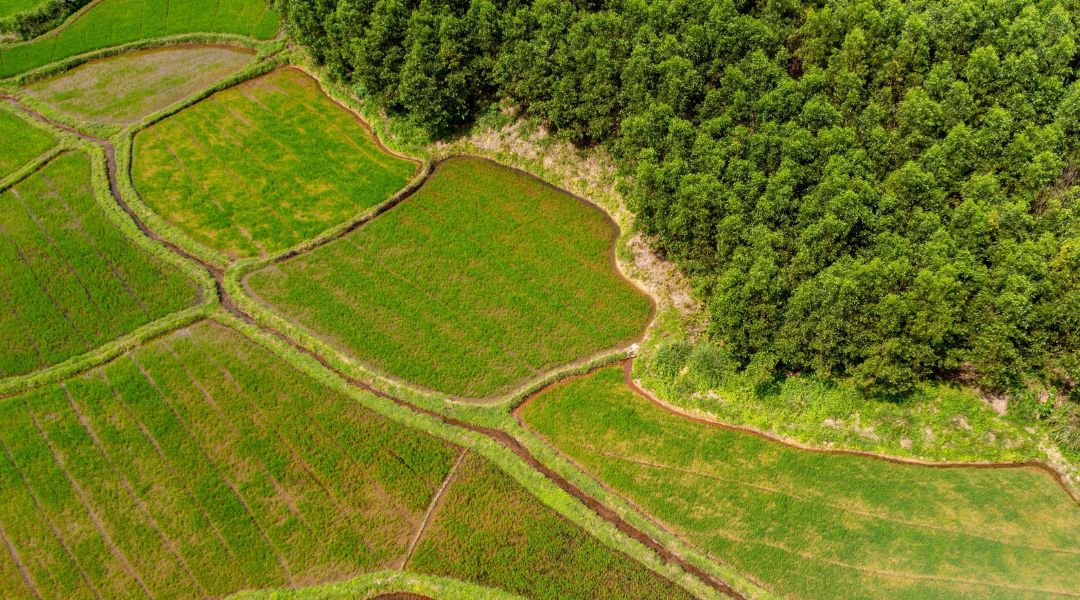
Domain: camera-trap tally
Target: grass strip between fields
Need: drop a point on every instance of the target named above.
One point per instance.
(815, 524)
(373, 585)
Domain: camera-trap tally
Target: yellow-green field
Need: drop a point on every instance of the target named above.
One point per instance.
(484, 278)
(116, 22)
(811, 525)
(263, 165)
(71, 280)
(201, 465)
(11, 7)
(124, 88)
(487, 529)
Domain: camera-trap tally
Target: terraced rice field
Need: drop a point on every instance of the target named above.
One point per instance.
(201, 465)
(116, 22)
(72, 280)
(33, 142)
(124, 88)
(487, 529)
(820, 526)
(482, 279)
(235, 170)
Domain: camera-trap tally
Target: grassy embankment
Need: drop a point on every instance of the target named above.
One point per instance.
(124, 88)
(72, 280)
(116, 22)
(816, 525)
(234, 170)
(482, 279)
(202, 464)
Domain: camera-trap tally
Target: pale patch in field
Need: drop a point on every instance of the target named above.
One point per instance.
(124, 88)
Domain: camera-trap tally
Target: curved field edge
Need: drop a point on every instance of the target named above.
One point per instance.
(677, 315)
(557, 499)
(238, 284)
(265, 63)
(103, 198)
(533, 481)
(19, 58)
(373, 585)
(270, 131)
(693, 524)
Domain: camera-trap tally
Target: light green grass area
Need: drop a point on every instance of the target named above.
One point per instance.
(32, 142)
(201, 465)
(487, 529)
(261, 166)
(116, 22)
(124, 88)
(812, 525)
(936, 421)
(483, 278)
(72, 281)
(12, 7)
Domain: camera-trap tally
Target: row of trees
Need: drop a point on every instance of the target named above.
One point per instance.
(880, 189)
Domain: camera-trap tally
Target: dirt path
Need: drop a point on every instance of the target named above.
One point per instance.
(436, 500)
(501, 437)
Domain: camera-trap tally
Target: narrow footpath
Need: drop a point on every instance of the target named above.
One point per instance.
(503, 438)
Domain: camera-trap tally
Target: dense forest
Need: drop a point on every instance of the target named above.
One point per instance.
(876, 189)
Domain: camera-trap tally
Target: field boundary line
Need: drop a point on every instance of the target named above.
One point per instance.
(17, 559)
(48, 522)
(166, 541)
(1038, 465)
(78, 14)
(94, 517)
(380, 584)
(224, 477)
(817, 500)
(432, 507)
(293, 350)
(29, 169)
(168, 462)
(70, 62)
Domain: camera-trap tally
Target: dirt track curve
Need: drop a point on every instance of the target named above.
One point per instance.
(503, 438)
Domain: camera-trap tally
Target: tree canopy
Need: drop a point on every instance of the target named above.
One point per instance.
(877, 189)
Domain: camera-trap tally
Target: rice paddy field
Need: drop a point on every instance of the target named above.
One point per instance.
(33, 142)
(124, 88)
(11, 7)
(234, 171)
(483, 278)
(72, 280)
(487, 529)
(201, 465)
(811, 525)
(116, 22)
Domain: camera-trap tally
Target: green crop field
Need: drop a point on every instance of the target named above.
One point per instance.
(236, 171)
(33, 142)
(201, 465)
(115, 22)
(124, 88)
(481, 279)
(820, 526)
(72, 281)
(11, 7)
(487, 529)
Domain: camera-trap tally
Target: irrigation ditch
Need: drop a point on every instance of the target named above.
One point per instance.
(503, 438)
(539, 386)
